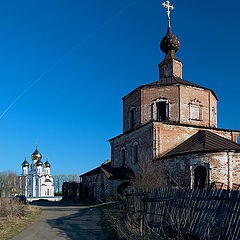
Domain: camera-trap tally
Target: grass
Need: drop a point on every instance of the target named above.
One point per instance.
(10, 227)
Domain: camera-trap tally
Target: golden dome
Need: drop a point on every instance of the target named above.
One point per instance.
(25, 163)
(47, 164)
(39, 163)
(36, 155)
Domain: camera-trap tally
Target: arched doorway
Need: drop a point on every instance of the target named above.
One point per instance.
(123, 187)
(200, 177)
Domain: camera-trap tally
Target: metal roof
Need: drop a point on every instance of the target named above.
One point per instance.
(204, 141)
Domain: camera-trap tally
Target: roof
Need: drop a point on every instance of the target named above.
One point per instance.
(204, 141)
(92, 172)
(95, 171)
(117, 173)
(172, 80)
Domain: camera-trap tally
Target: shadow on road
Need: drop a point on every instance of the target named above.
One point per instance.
(78, 221)
(46, 203)
(84, 225)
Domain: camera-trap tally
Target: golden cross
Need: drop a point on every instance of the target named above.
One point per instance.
(169, 8)
(36, 143)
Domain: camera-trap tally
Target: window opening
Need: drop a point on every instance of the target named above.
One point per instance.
(123, 157)
(162, 111)
(131, 119)
(135, 153)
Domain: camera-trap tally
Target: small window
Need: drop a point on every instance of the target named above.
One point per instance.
(123, 157)
(135, 153)
(48, 192)
(131, 119)
(162, 111)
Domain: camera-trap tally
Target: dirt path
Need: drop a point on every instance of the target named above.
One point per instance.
(65, 222)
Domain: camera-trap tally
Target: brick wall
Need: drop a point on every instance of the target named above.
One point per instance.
(168, 136)
(155, 139)
(222, 167)
(192, 96)
(151, 95)
(187, 105)
(132, 100)
(142, 136)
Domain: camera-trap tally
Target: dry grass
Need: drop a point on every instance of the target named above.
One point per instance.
(118, 225)
(25, 216)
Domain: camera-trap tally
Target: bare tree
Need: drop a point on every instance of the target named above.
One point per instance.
(150, 175)
(9, 187)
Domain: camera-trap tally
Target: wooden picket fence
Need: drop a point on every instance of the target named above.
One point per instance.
(196, 214)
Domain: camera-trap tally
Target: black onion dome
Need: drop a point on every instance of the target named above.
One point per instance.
(47, 164)
(169, 42)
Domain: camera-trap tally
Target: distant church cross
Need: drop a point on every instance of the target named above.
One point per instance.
(169, 8)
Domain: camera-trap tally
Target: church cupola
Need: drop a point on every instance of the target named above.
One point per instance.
(36, 155)
(47, 166)
(170, 45)
(25, 166)
(171, 66)
(25, 163)
(39, 166)
(39, 163)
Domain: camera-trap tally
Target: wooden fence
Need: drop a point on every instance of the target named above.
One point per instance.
(200, 214)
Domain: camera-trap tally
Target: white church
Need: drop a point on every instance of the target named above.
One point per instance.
(36, 180)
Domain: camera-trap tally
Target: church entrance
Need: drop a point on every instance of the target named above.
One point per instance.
(200, 177)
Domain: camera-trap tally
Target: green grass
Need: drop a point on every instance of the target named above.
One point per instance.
(10, 227)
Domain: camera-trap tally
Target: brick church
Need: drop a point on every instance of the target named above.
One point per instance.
(170, 126)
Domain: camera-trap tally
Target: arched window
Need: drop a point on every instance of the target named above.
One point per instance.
(123, 157)
(135, 153)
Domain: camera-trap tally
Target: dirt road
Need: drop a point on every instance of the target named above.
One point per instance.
(65, 222)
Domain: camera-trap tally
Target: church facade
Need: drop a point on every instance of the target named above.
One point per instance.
(170, 127)
(36, 180)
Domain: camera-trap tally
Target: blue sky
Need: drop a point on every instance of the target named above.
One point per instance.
(104, 49)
